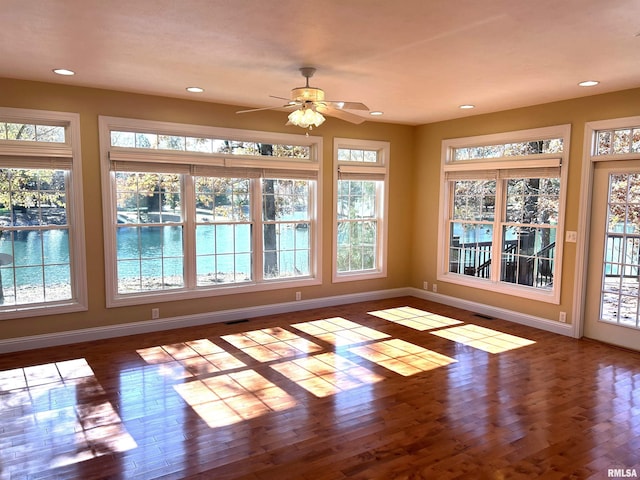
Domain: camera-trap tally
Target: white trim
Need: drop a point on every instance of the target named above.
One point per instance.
(516, 136)
(209, 318)
(497, 312)
(266, 164)
(534, 161)
(584, 215)
(72, 149)
(381, 168)
(505, 163)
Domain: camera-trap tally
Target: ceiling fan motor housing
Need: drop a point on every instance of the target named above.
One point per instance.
(307, 94)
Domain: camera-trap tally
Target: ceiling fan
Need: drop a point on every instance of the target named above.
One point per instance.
(309, 105)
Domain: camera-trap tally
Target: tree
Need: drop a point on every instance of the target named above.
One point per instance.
(269, 215)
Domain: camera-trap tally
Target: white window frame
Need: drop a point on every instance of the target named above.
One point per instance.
(365, 171)
(269, 165)
(449, 164)
(46, 154)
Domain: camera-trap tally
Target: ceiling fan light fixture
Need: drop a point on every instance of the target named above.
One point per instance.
(306, 118)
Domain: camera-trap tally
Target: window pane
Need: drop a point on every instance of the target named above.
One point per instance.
(34, 266)
(34, 198)
(223, 230)
(533, 200)
(357, 225)
(146, 140)
(222, 199)
(622, 141)
(528, 255)
(357, 155)
(148, 198)
(474, 199)
(357, 199)
(357, 244)
(149, 258)
(551, 145)
(603, 146)
(204, 145)
(286, 216)
(470, 248)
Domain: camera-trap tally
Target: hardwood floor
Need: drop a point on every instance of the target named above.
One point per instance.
(394, 389)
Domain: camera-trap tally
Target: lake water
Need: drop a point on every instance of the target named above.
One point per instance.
(154, 250)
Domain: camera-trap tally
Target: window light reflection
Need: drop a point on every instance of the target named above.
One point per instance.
(231, 398)
(197, 357)
(65, 402)
(271, 344)
(482, 338)
(402, 357)
(339, 331)
(415, 318)
(326, 374)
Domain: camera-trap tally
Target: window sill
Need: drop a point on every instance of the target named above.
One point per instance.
(25, 311)
(529, 293)
(356, 276)
(203, 292)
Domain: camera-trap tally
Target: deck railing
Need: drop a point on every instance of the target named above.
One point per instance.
(475, 260)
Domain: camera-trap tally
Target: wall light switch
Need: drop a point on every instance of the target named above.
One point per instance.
(571, 236)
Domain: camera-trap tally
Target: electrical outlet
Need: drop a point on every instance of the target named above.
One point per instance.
(425, 285)
(298, 296)
(155, 313)
(563, 317)
(434, 287)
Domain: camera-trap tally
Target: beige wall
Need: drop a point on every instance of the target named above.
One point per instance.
(413, 205)
(427, 178)
(90, 103)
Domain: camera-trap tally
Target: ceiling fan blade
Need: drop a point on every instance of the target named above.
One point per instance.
(341, 114)
(347, 105)
(265, 108)
(288, 100)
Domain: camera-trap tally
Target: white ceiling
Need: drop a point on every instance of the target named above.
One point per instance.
(416, 60)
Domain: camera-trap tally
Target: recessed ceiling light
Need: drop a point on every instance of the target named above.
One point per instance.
(589, 83)
(467, 106)
(63, 71)
(376, 113)
(195, 89)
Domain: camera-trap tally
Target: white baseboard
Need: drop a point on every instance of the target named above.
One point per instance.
(148, 326)
(502, 313)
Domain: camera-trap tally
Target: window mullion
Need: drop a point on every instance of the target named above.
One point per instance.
(498, 222)
(257, 229)
(188, 208)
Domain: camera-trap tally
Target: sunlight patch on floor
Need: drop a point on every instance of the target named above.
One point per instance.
(271, 344)
(402, 357)
(65, 400)
(326, 374)
(415, 318)
(339, 331)
(188, 359)
(231, 398)
(482, 338)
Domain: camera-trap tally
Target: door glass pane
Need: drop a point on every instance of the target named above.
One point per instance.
(619, 292)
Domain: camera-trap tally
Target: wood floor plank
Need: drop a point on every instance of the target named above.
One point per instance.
(392, 389)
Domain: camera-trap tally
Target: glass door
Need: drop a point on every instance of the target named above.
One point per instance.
(612, 312)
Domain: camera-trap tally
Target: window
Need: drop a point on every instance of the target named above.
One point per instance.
(201, 213)
(42, 260)
(360, 232)
(501, 211)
